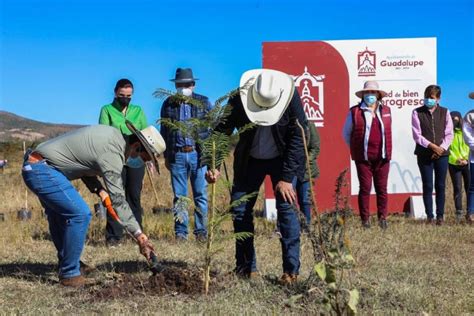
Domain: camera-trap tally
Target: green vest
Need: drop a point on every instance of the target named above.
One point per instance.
(458, 149)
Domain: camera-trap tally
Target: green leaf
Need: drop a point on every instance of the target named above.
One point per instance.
(353, 301)
(349, 258)
(242, 235)
(243, 199)
(320, 269)
(330, 275)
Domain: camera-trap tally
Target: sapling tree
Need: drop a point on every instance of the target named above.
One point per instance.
(333, 259)
(214, 150)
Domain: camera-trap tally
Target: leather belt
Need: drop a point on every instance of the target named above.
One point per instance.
(35, 157)
(186, 149)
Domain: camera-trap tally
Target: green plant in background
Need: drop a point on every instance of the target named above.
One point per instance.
(330, 280)
(214, 150)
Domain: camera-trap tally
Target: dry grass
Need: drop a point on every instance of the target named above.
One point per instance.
(409, 269)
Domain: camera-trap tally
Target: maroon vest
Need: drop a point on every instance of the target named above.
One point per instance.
(358, 132)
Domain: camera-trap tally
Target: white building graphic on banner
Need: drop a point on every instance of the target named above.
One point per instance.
(311, 89)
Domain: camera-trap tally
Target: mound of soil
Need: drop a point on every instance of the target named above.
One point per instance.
(170, 281)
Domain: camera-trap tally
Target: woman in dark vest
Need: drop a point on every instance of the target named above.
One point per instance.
(368, 132)
(432, 129)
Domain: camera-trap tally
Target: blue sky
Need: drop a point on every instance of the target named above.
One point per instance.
(60, 59)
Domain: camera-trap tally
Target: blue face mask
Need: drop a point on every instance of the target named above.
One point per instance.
(370, 98)
(429, 102)
(135, 163)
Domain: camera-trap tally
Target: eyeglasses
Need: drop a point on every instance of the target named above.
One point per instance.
(185, 84)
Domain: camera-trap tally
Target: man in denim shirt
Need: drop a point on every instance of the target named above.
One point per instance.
(182, 156)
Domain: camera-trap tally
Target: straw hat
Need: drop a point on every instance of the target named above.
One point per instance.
(150, 139)
(370, 86)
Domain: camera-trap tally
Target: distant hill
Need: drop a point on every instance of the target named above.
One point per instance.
(17, 128)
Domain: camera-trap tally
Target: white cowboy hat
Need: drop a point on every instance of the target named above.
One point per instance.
(370, 86)
(151, 140)
(265, 95)
(469, 118)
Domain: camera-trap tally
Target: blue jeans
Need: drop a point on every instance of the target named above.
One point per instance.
(470, 196)
(186, 167)
(68, 214)
(250, 182)
(303, 193)
(440, 168)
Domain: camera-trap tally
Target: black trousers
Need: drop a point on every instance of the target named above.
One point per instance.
(458, 174)
(133, 182)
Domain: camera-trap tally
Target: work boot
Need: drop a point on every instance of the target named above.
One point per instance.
(470, 219)
(243, 274)
(86, 269)
(76, 282)
(430, 221)
(201, 238)
(181, 238)
(439, 221)
(288, 279)
(366, 224)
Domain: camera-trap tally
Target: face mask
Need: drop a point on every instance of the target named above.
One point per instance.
(370, 98)
(457, 124)
(429, 102)
(135, 163)
(185, 91)
(123, 101)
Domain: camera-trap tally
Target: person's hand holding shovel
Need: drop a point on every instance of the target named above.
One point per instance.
(146, 247)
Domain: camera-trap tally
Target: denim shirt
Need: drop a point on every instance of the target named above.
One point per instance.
(184, 115)
(171, 110)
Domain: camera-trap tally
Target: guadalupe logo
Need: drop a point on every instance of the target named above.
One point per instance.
(366, 63)
(311, 89)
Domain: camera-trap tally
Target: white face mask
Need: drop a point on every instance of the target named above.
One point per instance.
(185, 91)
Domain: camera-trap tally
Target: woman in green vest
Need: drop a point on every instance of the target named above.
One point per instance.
(115, 114)
(459, 164)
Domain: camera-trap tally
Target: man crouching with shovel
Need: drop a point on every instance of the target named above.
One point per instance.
(84, 154)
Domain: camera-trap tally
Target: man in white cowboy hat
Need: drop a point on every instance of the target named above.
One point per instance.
(274, 147)
(183, 155)
(368, 133)
(85, 154)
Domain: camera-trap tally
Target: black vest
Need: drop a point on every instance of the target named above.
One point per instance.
(433, 127)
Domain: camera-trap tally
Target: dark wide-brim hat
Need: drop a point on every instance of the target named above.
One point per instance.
(151, 140)
(184, 75)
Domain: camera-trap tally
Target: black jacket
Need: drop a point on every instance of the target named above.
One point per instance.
(286, 133)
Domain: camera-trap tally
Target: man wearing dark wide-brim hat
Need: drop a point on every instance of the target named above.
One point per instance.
(183, 154)
(275, 148)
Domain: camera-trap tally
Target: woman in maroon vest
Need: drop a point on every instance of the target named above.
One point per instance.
(368, 132)
(432, 129)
